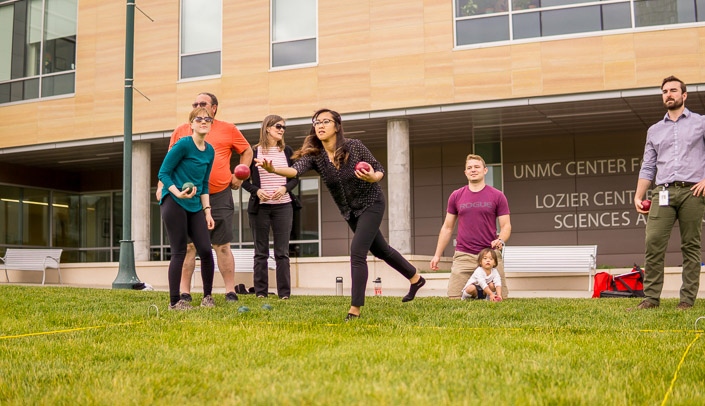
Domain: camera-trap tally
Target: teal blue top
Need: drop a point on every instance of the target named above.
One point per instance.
(186, 163)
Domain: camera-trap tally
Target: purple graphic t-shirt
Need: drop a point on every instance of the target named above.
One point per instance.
(477, 217)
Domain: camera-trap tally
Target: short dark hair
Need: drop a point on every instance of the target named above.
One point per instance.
(484, 252)
(214, 100)
(674, 79)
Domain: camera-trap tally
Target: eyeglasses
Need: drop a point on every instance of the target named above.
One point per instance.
(323, 122)
(206, 119)
(199, 104)
(280, 127)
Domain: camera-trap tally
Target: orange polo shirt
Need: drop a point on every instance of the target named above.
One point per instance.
(225, 138)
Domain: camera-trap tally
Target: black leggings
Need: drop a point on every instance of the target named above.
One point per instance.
(180, 225)
(368, 238)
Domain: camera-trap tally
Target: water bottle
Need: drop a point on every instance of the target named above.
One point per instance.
(378, 287)
(339, 286)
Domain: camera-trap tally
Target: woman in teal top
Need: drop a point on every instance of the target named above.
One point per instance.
(186, 210)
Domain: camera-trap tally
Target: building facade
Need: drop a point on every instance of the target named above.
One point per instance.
(557, 95)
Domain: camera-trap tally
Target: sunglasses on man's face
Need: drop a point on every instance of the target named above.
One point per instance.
(199, 104)
(206, 119)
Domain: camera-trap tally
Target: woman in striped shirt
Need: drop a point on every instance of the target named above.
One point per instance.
(271, 206)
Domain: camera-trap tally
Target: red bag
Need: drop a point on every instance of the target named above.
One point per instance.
(603, 281)
(630, 284)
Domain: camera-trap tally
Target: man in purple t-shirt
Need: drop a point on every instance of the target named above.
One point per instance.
(477, 209)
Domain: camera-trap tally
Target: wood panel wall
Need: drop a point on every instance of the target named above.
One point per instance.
(373, 55)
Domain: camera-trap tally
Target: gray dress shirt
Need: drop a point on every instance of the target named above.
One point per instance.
(675, 150)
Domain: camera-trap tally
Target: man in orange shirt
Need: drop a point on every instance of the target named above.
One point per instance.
(225, 138)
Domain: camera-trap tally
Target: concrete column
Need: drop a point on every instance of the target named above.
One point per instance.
(399, 185)
(141, 197)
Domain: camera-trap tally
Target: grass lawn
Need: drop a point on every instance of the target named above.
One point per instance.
(67, 346)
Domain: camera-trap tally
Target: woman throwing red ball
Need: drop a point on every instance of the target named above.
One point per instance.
(356, 193)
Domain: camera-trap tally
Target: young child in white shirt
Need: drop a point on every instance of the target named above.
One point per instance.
(485, 282)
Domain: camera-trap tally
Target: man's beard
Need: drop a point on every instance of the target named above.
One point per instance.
(675, 106)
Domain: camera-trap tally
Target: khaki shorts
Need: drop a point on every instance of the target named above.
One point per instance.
(464, 265)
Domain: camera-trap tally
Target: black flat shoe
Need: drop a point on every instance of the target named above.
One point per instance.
(413, 289)
(351, 316)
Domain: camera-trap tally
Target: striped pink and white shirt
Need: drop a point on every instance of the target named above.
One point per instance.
(269, 182)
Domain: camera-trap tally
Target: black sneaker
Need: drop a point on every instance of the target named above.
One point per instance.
(231, 297)
(186, 297)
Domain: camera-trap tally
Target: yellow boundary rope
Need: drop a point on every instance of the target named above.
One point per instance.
(675, 375)
(46, 333)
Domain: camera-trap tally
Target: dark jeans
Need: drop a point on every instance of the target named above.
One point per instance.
(368, 238)
(278, 218)
(180, 225)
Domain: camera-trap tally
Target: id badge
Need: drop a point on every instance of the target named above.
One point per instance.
(663, 198)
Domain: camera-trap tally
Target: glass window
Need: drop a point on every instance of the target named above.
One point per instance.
(60, 84)
(481, 30)
(201, 38)
(571, 20)
(662, 12)
(35, 217)
(95, 220)
(616, 16)
(59, 47)
(526, 25)
(486, 21)
(307, 220)
(37, 41)
(524, 4)
(491, 152)
(156, 230)
(244, 233)
(116, 220)
(294, 53)
(552, 3)
(465, 8)
(66, 220)
(6, 23)
(294, 32)
(10, 224)
(494, 176)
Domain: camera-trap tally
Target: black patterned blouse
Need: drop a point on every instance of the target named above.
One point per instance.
(352, 195)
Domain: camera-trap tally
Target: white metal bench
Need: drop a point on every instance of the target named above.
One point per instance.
(32, 259)
(244, 261)
(552, 259)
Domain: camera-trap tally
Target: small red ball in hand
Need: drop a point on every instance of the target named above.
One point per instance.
(242, 172)
(497, 298)
(362, 165)
(646, 204)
